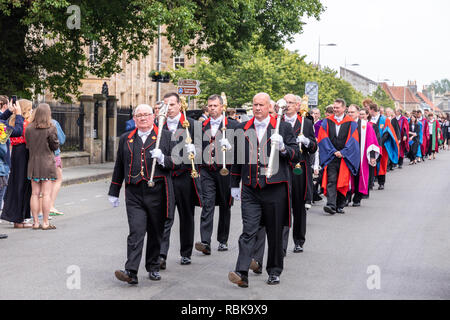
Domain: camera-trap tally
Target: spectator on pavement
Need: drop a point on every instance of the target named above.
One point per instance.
(42, 140)
(3, 104)
(205, 114)
(16, 206)
(58, 163)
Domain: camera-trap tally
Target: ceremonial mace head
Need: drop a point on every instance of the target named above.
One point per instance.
(303, 111)
(191, 156)
(162, 116)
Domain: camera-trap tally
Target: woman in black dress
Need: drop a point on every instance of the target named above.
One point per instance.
(414, 132)
(18, 192)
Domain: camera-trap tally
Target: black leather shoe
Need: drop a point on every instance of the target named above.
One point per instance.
(273, 279)
(126, 276)
(238, 278)
(356, 204)
(154, 275)
(256, 267)
(381, 187)
(340, 210)
(203, 247)
(3, 236)
(317, 198)
(329, 209)
(185, 261)
(298, 248)
(222, 247)
(162, 263)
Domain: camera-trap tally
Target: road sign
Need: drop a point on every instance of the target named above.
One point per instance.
(188, 83)
(312, 91)
(189, 91)
(188, 87)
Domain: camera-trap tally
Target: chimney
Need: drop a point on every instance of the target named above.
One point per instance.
(412, 86)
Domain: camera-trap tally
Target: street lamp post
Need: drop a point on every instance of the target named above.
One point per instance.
(350, 65)
(324, 45)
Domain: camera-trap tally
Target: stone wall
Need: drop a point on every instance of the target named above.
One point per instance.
(359, 82)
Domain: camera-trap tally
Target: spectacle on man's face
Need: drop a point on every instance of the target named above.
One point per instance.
(363, 115)
(291, 102)
(316, 115)
(144, 119)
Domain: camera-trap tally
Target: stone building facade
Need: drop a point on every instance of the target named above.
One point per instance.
(133, 86)
(359, 82)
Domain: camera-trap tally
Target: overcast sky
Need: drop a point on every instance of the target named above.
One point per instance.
(399, 40)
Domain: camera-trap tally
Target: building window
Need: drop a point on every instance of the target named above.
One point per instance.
(93, 53)
(178, 61)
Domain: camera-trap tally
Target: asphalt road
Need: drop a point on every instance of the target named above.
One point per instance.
(397, 244)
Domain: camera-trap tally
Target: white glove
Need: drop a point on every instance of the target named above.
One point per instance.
(158, 155)
(236, 194)
(278, 139)
(190, 148)
(114, 201)
(225, 143)
(303, 140)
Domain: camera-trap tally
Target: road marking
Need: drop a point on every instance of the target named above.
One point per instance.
(99, 196)
(83, 200)
(69, 203)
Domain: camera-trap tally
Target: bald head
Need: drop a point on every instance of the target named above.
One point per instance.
(261, 106)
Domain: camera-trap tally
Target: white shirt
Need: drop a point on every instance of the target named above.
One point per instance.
(338, 119)
(290, 120)
(261, 127)
(215, 124)
(375, 119)
(144, 135)
(172, 123)
(398, 117)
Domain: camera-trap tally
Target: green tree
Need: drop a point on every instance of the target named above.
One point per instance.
(441, 87)
(276, 72)
(381, 98)
(39, 49)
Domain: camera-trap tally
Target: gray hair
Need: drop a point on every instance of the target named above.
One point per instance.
(266, 95)
(214, 97)
(142, 106)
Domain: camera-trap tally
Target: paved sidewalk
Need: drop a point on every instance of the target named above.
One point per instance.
(89, 173)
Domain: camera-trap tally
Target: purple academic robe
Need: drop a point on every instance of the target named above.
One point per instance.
(317, 127)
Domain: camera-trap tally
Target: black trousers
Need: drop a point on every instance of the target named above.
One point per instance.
(215, 185)
(184, 200)
(309, 176)
(334, 198)
(146, 215)
(260, 245)
(400, 161)
(267, 206)
(381, 180)
(358, 195)
(299, 183)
